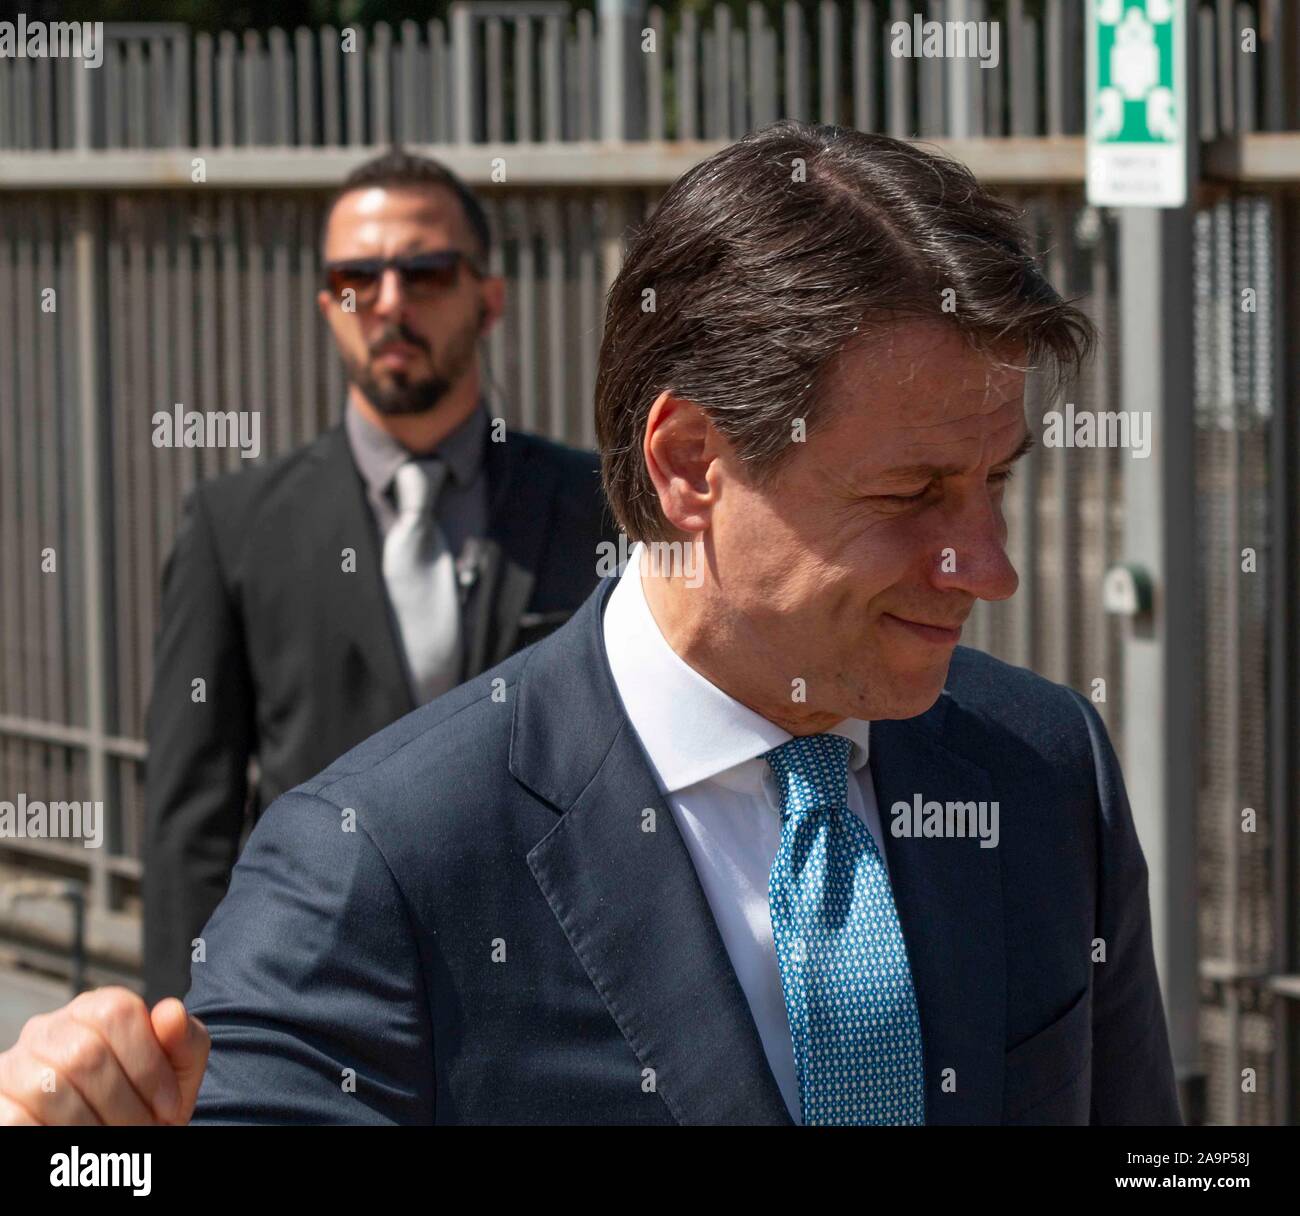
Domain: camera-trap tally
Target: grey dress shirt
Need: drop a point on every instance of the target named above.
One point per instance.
(462, 507)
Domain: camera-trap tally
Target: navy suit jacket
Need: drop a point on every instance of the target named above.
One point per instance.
(465, 919)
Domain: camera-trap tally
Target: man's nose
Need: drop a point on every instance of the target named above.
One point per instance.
(391, 296)
(972, 554)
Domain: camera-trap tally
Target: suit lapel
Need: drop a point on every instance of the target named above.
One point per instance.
(623, 888)
(340, 514)
(949, 898)
(520, 489)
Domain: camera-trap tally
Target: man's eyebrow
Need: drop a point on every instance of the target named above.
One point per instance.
(933, 471)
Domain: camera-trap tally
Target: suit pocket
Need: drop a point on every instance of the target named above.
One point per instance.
(1046, 1076)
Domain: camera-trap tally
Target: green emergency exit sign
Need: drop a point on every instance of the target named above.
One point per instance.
(1137, 103)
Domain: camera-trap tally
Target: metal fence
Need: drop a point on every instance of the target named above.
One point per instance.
(172, 289)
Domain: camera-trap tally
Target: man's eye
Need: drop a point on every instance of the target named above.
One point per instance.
(921, 493)
(1000, 479)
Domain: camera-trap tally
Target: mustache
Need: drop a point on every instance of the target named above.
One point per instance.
(398, 333)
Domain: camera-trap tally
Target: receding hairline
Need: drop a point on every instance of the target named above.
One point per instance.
(447, 192)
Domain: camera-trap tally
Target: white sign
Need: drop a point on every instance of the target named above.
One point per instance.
(1137, 103)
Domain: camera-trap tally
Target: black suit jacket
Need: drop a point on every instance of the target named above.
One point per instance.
(274, 597)
(492, 935)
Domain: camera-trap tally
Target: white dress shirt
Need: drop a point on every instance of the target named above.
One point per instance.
(705, 751)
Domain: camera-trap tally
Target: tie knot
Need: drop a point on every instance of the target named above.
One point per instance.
(417, 484)
(811, 771)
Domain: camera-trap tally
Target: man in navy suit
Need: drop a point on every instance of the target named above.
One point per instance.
(749, 839)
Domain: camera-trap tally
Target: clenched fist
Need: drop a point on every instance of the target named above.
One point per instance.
(105, 1059)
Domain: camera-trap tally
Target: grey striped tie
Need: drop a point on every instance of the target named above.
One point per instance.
(420, 574)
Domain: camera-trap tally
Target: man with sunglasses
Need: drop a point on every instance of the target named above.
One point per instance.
(407, 549)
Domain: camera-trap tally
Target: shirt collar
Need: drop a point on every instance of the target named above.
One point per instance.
(689, 728)
(378, 455)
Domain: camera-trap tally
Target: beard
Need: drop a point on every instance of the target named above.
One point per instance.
(399, 394)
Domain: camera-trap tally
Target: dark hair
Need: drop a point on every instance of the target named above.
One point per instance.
(400, 168)
(767, 258)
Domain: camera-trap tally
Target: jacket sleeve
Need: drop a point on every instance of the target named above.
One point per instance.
(196, 771)
(313, 987)
(1132, 1067)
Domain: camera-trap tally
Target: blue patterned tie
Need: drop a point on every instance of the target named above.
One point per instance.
(844, 970)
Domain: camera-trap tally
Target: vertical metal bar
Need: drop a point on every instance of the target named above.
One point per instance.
(464, 88)
(1284, 650)
(1246, 76)
(525, 124)
(137, 111)
(441, 83)
(251, 79)
(718, 82)
(687, 80)
(1054, 52)
(865, 34)
(796, 76)
(588, 96)
(829, 61)
(354, 88)
(411, 117)
(552, 77)
(493, 62)
(182, 107)
(1272, 33)
(308, 320)
(380, 57)
(589, 295)
(1160, 685)
(280, 86)
(1207, 91)
(898, 100)
(330, 94)
(930, 86)
(93, 460)
(226, 50)
(29, 417)
(654, 68)
(277, 418)
(186, 218)
(739, 108)
(204, 126)
(10, 512)
(161, 110)
(1226, 45)
(1230, 822)
(960, 81)
(304, 61)
(556, 318)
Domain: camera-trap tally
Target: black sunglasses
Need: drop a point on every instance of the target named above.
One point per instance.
(422, 274)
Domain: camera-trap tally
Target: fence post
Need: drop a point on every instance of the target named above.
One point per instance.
(90, 426)
(621, 70)
(462, 73)
(1160, 654)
